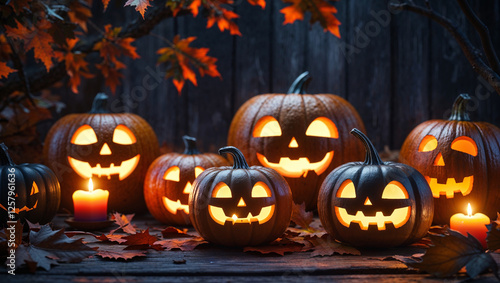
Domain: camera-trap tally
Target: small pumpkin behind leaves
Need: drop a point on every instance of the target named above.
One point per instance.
(31, 189)
(169, 181)
(240, 205)
(375, 203)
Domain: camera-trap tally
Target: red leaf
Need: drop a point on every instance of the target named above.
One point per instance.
(141, 238)
(172, 232)
(181, 244)
(140, 5)
(261, 3)
(5, 70)
(321, 11)
(125, 255)
(302, 217)
(79, 13)
(37, 39)
(124, 221)
(279, 247)
(111, 238)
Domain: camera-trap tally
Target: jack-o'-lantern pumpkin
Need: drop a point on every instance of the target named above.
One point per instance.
(169, 181)
(29, 191)
(375, 203)
(114, 149)
(460, 159)
(240, 205)
(302, 136)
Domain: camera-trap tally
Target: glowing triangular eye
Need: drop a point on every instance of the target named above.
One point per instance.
(172, 174)
(85, 135)
(123, 135)
(261, 190)
(221, 190)
(322, 127)
(429, 143)
(267, 126)
(197, 171)
(34, 189)
(346, 190)
(395, 190)
(465, 145)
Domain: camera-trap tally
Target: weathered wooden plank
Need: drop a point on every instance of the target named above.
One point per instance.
(410, 73)
(368, 56)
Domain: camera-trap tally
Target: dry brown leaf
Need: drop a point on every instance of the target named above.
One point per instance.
(279, 247)
(327, 246)
(300, 216)
(124, 221)
(187, 244)
(125, 255)
(111, 238)
(172, 232)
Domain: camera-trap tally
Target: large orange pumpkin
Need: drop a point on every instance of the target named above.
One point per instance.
(302, 136)
(169, 181)
(461, 161)
(115, 149)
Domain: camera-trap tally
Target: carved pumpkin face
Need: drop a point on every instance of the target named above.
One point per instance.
(112, 155)
(375, 204)
(458, 159)
(169, 182)
(114, 149)
(32, 197)
(302, 136)
(240, 206)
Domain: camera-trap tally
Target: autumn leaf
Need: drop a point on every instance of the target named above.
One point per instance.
(172, 232)
(141, 241)
(110, 48)
(79, 13)
(450, 253)
(327, 246)
(278, 247)
(187, 244)
(5, 70)
(124, 221)
(493, 235)
(75, 63)
(321, 11)
(47, 247)
(140, 5)
(37, 39)
(182, 59)
(261, 3)
(175, 6)
(216, 13)
(105, 4)
(302, 217)
(123, 255)
(111, 238)
(19, 5)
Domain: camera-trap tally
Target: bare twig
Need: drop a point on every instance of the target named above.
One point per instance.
(484, 34)
(474, 59)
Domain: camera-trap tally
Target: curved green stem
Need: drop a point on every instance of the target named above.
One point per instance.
(5, 157)
(372, 157)
(238, 158)
(459, 110)
(99, 104)
(300, 84)
(190, 144)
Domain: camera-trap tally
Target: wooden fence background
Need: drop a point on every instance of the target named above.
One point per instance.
(396, 69)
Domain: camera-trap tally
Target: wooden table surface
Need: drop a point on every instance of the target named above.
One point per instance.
(210, 263)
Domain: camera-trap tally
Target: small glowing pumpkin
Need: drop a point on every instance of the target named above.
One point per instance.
(114, 149)
(460, 160)
(240, 205)
(32, 190)
(169, 181)
(302, 136)
(375, 203)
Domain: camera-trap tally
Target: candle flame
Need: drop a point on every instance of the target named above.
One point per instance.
(91, 185)
(469, 210)
(235, 217)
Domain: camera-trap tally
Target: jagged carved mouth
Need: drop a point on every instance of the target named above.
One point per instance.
(219, 216)
(24, 208)
(174, 206)
(451, 187)
(398, 218)
(86, 171)
(299, 167)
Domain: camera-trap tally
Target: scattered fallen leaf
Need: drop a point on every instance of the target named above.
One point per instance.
(141, 241)
(450, 253)
(124, 221)
(188, 244)
(172, 232)
(125, 255)
(111, 238)
(302, 217)
(404, 259)
(327, 246)
(279, 247)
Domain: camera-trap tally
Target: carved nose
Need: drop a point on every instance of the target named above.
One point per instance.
(293, 143)
(105, 150)
(439, 160)
(241, 203)
(367, 201)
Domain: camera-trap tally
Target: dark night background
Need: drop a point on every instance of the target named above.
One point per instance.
(398, 70)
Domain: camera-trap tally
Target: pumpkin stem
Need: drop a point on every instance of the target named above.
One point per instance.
(190, 144)
(4, 156)
(372, 157)
(100, 103)
(238, 158)
(459, 111)
(300, 84)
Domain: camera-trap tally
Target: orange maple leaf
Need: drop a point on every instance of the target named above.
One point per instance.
(5, 70)
(321, 11)
(183, 59)
(105, 3)
(111, 47)
(217, 14)
(76, 66)
(140, 5)
(261, 3)
(79, 14)
(38, 40)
